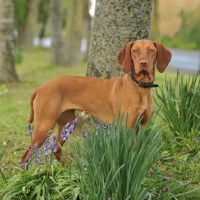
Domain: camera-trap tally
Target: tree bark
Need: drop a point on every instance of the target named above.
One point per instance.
(155, 21)
(30, 25)
(116, 22)
(74, 32)
(86, 27)
(57, 45)
(7, 67)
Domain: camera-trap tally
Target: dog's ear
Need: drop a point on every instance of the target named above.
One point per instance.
(163, 57)
(124, 57)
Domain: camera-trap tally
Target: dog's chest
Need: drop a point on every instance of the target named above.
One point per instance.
(144, 100)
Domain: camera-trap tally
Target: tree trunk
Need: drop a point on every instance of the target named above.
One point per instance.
(155, 20)
(7, 67)
(115, 23)
(74, 32)
(57, 45)
(30, 26)
(86, 27)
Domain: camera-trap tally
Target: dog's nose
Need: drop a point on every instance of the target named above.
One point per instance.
(143, 63)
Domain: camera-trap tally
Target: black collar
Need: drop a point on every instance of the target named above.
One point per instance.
(143, 84)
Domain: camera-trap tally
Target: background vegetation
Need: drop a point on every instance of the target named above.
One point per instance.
(188, 35)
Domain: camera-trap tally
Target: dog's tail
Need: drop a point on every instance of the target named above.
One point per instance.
(31, 117)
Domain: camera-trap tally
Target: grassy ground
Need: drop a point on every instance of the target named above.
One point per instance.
(14, 104)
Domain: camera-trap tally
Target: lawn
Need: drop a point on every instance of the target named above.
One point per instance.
(14, 100)
(176, 169)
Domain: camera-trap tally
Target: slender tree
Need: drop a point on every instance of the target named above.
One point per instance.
(57, 46)
(26, 14)
(30, 24)
(7, 68)
(20, 13)
(115, 23)
(86, 26)
(74, 32)
(155, 20)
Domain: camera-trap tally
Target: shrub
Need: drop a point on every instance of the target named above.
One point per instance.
(40, 183)
(179, 105)
(112, 163)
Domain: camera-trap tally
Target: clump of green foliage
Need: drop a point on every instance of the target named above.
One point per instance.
(188, 35)
(178, 103)
(42, 178)
(113, 162)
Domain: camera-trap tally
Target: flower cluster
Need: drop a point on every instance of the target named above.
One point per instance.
(106, 129)
(49, 147)
(84, 133)
(68, 129)
(37, 153)
(99, 124)
(30, 131)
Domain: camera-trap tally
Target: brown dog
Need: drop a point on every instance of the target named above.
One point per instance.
(55, 101)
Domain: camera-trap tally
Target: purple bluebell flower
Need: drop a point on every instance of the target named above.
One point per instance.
(67, 130)
(192, 160)
(83, 163)
(83, 133)
(49, 133)
(62, 159)
(47, 144)
(30, 132)
(108, 133)
(75, 121)
(66, 126)
(146, 195)
(35, 151)
(53, 145)
(71, 128)
(198, 139)
(99, 124)
(39, 158)
(23, 164)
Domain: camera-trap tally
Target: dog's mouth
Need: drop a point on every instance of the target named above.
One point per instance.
(144, 72)
(142, 75)
(140, 72)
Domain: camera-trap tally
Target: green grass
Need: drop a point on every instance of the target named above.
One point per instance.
(14, 104)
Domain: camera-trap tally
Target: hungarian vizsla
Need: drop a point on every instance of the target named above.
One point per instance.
(55, 101)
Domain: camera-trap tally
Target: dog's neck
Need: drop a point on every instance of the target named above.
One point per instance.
(142, 84)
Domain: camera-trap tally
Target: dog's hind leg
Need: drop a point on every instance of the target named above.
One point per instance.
(65, 117)
(39, 136)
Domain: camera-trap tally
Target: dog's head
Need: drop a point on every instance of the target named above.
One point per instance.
(141, 55)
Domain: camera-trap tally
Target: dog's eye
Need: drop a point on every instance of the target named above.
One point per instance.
(135, 51)
(151, 50)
